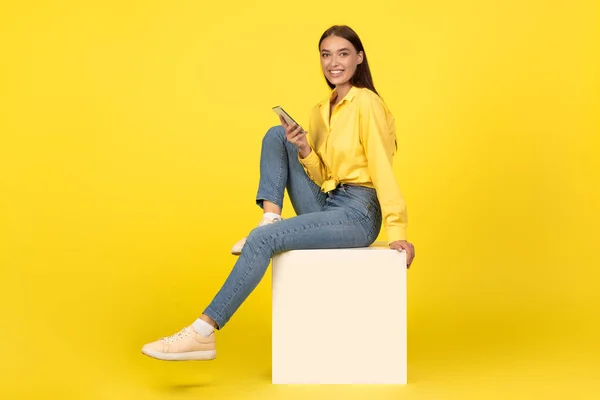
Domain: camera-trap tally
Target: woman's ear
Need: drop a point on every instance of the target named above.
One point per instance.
(361, 56)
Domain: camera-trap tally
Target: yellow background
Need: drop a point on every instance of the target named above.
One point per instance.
(130, 138)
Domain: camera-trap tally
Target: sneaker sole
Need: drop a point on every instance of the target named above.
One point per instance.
(188, 356)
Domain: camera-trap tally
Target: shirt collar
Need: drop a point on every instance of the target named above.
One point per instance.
(348, 97)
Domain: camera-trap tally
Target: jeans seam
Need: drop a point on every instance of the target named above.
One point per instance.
(281, 162)
(305, 227)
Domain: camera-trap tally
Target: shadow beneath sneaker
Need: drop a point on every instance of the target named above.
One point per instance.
(184, 387)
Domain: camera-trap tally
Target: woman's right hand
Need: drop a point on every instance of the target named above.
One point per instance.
(296, 136)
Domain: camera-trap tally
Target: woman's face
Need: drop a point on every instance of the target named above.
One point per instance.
(339, 59)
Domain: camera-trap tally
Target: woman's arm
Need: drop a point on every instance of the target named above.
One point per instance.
(379, 141)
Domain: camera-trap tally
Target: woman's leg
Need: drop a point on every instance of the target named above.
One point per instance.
(350, 219)
(280, 169)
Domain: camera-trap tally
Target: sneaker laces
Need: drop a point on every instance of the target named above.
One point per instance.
(178, 336)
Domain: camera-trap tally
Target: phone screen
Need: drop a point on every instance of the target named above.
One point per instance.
(280, 111)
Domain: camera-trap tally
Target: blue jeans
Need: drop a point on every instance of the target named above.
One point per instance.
(348, 216)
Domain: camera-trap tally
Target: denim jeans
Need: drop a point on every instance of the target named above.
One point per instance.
(348, 216)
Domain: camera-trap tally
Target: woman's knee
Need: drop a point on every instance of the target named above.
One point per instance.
(259, 239)
(255, 240)
(275, 134)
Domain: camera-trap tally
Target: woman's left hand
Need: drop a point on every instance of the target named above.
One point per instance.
(406, 246)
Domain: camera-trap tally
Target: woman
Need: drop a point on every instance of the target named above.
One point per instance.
(340, 181)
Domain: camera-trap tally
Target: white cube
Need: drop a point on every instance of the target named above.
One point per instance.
(339, 316)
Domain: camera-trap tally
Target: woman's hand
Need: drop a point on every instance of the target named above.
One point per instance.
(296, 136)
(406, 246)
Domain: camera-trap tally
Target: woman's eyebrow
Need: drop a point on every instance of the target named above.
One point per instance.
(328, 51)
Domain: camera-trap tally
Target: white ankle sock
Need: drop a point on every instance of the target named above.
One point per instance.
(203, 327)
(271, 215)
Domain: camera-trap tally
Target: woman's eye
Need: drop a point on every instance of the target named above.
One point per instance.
(344, 54)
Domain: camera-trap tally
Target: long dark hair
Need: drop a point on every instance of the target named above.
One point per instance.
(362, 76)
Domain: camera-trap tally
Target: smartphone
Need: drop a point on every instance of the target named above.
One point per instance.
(280, 111)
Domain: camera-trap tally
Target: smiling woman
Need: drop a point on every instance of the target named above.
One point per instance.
(340, 181)
(350, 67)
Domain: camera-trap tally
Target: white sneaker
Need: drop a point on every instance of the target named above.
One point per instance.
(237, 248)
(185, 345)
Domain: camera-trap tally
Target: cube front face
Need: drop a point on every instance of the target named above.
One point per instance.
(339, 317)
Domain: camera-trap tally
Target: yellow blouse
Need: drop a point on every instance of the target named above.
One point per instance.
(357, 147)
